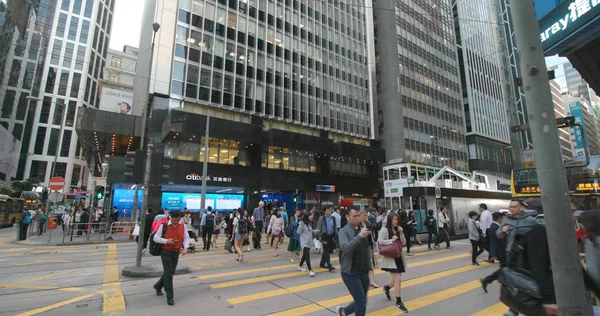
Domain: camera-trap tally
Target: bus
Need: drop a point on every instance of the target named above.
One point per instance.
(10, 210)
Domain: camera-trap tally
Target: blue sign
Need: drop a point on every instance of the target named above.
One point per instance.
(577, 113)
(325, 188)
(221, 202)
(566, 19)
(123, 199)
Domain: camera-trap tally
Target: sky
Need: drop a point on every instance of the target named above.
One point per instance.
(126, 25)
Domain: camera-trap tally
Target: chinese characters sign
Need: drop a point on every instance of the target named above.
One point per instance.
(528, 189)
(197, 177)
(566, 19)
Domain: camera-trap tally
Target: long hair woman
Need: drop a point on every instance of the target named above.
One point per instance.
(395, 266)
(236, 236)
(275, 228)
(306, 236)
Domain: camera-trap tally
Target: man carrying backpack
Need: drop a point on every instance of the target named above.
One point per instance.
(173, 236)
(208, 226)
(24, 225)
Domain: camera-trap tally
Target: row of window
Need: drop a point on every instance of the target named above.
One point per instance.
(52, 142)
(226, 152)
(440, 63)
(430, 110)
(39, 167)
(434, 79)
(63, 83)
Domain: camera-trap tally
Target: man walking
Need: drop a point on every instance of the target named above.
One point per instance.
(259, 215)
(355, 259)
(485, 221)
(172, 236)
(497, 249)
(208, 226)
(147, 229)
(41, 222)
(327, 227)
(444, 225)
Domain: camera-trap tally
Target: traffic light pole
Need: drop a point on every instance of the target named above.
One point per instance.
(205, 164)
(91, 213)
(147, 169)
(570, 292)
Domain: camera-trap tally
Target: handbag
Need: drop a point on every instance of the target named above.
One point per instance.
(136, 230)
(228, 244)
(393, 250)
(520, 291)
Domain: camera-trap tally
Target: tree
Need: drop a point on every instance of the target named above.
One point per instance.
(24, 185)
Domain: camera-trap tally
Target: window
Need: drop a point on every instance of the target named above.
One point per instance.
(40, 140)
(15, 71)
(85, 29)
(75, 85)
(114, 77)
(58, 112)
(68, 56)
(8, 104)
(80, 57)
(55, 57)
(116, 62)
(62, 85)
(61, 26)
(89, 5)
(46, 104)
(73, 28)
(38, 170)
(60, 170)
(52, 142)
(287, 159)
(65, 144)
(220, 151)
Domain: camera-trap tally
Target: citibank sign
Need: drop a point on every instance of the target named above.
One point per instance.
(196, 177)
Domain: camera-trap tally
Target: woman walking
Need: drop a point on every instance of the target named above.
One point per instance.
(395, 266)
(474, 237)
(406, 225)
(275, 228)
(431, 230)
(294, 244)
(364, 219)
(306, 236)
(216, 229)
(240, 232)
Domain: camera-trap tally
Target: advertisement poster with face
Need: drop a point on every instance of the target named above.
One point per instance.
(114, 100)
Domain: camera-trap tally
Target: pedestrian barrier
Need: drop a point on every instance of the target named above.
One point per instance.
(120, 229)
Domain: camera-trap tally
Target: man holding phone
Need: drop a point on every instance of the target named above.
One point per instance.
(175, 238)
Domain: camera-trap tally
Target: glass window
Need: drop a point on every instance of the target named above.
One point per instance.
(62, 84)
(205, 77)
(56, 52)
(40, 140)
(45, 112)
(38, 169)
(65, 144)
(71, 113)
(68, 55)
(116, 62)
(8, 103)
(52, 142)
(61, 26)
(15, 72)
(178, 71)
(85, 29)
(58, 112)
(75, 85)
(60, 170)
(89, 6)
(73, 28)
(80, 57)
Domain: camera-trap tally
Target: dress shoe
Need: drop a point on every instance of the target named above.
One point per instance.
(158, 291)
(484, 285)
(171, 302)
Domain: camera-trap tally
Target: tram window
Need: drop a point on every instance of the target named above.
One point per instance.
(430, 175)
(420, 174)
(393, 174)
(395, 203)
(385, 175)
(404, 172)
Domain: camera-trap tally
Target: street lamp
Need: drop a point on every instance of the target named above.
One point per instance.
(155, 28)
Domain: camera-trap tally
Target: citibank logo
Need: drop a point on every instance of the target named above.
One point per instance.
(193, 176)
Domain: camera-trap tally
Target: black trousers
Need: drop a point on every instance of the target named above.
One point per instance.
(432, 233)
(407, 236)
(494, 276)
(207, 236)
(445, 235)
(477, 250)
(169, 262)
(306, 257)
(327, 242)
(41, 227)
(23, 231)
(258, 229)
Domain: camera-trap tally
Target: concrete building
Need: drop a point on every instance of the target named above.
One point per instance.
(487, 83)
(562, 110)
(73, 58)
(418, 83)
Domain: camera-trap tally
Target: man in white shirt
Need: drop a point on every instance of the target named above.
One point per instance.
(485, 221)
(338, 218)
(444, 225)
(175, 238)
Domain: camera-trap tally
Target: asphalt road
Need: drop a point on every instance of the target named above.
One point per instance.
(36, 279)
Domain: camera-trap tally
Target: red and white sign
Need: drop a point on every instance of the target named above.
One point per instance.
(56, 183)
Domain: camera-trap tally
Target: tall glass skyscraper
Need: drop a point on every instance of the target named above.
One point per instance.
(418, 83)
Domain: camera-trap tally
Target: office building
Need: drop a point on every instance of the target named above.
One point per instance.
(289, 85)
(74, 40)
(561, 109)
(418, 83)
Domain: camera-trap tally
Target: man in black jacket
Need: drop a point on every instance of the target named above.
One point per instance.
(497, 248)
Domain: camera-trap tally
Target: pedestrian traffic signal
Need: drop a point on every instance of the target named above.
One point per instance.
(134, 166)
(295, 198)
(99, 193)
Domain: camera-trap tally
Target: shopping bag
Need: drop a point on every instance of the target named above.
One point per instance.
(136, 230)
(316, 243)
(228, 244)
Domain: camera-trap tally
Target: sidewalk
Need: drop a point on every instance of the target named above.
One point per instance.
(59, 238)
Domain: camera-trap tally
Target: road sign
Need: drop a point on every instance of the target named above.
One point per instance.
(56, 183)
(55, 196)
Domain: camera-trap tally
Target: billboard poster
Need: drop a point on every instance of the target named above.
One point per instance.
(221, 202)
(123, 199)
(117, 101)
(578, 145)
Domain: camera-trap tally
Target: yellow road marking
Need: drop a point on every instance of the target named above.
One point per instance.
(54, 306)
(238, 272)
(50, 276)
(113, 299)
(310, 308)
(25, 286)
(429, 299)
(264, 278)
(494, 310)
(42, 261)
(95, 254)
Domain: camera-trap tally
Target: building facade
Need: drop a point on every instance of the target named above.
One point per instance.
(72, 66)
(561, 109)
(289, 87)
(418, 83)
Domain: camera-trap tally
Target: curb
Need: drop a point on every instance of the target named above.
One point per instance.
(152, 271)
(19, 243)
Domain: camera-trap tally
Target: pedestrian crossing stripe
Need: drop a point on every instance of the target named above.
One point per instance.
(264, 278)
(318, 284)
(494, 310)
(346, 299)
(426, 300)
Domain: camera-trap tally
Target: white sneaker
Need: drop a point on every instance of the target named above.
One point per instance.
(301, 268)
(292, 260)
(311, 273)
(144, 251)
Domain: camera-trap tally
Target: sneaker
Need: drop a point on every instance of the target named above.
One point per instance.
(401, 307)
(430, 248)
(386, 291)
(292, 261)
(301, 268)
(311, 273)
(242, 258)
(476, 264)
(339, 310)
(510, 313)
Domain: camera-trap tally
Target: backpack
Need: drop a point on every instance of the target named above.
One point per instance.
(27, 220)
(210, 220)
(155, 247)
(242, 226)
(289, 230)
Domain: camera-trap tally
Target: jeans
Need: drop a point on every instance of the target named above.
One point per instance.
(258, 228)
(23, 231)
(358, 286)
(306, 257)
(327, 244)
(437, 238)
(477, 250)
(169, 262)
(445, 236)
(207, 236)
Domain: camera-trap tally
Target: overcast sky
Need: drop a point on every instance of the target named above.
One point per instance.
(126, 25)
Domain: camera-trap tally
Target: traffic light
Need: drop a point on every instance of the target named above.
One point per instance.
(135, 166)
(99, 193)
(295, 198)
(158, 171)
